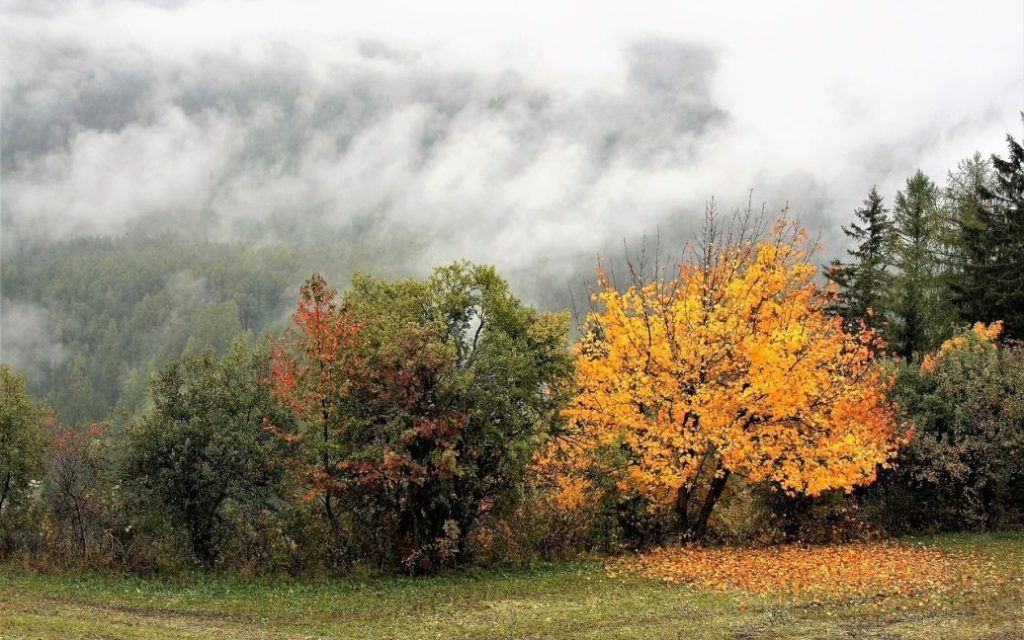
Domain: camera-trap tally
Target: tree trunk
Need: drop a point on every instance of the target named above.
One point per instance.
(202, 546)
(700, 526)
(326, 435)
(6, 489)
(682, 508)
(329, 510)
(80, 524)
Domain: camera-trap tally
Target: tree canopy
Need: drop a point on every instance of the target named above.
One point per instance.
(204, 449)
(727, 364)
(422, 401)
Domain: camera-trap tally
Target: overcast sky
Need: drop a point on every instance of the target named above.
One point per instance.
(524, 134)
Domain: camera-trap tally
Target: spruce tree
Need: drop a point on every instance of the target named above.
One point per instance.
(916, 298)
(970, 242)
(991, 284)
(862, 282)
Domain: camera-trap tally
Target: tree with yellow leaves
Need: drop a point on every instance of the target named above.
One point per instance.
(725, 364)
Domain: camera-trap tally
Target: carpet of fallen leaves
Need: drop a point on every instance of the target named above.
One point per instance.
(860, 569)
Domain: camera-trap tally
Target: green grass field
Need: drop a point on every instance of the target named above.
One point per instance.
(573, 600)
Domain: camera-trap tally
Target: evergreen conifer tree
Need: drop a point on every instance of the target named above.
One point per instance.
(990, 285)
(969, 241)
(862, 281)
(916, 297)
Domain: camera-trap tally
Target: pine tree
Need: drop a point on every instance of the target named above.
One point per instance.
(862, 281)
(916, 297)
(969, 240)
(991, 284)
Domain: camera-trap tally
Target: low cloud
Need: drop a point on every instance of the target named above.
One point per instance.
(29, 342)
(532, 151)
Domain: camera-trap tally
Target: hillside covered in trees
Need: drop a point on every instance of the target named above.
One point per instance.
(523, 320)
(88, 320)
(741, 390)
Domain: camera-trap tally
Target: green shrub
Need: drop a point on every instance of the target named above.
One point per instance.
(201, 463)
(963, 468)
(22, 450)
(422, 403)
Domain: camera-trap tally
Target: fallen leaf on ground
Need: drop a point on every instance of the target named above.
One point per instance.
(861, 569)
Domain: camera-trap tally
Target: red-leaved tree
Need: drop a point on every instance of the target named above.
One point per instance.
(311, 370)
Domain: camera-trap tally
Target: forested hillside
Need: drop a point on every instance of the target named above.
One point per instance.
(744, 387)
(88, 320)
(110, 311)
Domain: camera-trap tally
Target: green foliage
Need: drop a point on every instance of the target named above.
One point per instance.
(201, 459)
(916, 294)
(453, 386)
(948, 257)
(962, 468)
(863, 281)
(989, 282)
(497, 372)
(22, 447)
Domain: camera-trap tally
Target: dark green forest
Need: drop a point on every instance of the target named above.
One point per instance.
(121, 308)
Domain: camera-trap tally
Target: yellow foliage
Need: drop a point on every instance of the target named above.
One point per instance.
(730, 364)
(981, 336)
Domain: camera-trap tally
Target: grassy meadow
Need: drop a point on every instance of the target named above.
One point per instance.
(567, 600)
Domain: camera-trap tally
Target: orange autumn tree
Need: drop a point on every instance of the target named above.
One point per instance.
(311, 369)
(724, 365)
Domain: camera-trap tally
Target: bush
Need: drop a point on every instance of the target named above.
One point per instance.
(962, 469)
(22, 450)
(83, 517)
(538, 530)
(422, 403)
(201, 463)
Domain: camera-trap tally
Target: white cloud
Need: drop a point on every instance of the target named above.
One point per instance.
(29, 341)
(534, 131)
(102, 180)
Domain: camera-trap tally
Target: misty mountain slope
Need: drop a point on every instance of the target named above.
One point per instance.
(88, 320)
(332, 139)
